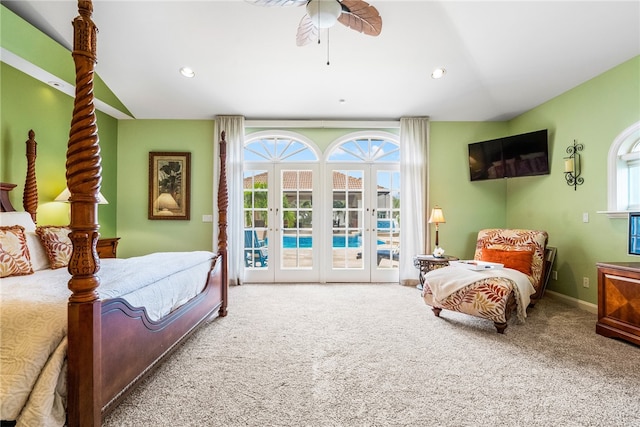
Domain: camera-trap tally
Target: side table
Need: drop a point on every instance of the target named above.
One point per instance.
(107, 246)
(426, 263)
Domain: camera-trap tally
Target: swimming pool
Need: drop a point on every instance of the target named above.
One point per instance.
(289, 242)
(305, 242)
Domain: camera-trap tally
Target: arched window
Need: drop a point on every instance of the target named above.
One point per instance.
(278, 147)
(624, 172)
(365, 149)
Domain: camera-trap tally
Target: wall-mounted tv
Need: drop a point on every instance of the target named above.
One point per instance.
(526, 154)
(634, 233)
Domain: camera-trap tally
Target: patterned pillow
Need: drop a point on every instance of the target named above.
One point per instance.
(57, 244)
(520, 260)
(14, 253)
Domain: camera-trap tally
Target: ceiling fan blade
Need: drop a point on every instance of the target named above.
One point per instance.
(361, 16)
(270, 3)
(307, 31)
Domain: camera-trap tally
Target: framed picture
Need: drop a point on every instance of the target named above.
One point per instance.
(169, 185)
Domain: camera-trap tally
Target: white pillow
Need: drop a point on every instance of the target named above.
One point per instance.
(39, 258)
(18, 218)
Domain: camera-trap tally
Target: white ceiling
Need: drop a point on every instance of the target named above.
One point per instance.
(502, 57)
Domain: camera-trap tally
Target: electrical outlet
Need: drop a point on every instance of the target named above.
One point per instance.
(207, 218)
(585, 282)
(554, 275)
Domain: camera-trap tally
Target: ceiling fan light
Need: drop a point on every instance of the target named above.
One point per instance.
(324, 13)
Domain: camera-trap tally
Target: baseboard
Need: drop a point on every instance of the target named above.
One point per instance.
(574, 302)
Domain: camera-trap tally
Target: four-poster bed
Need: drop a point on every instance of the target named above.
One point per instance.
(111, 344)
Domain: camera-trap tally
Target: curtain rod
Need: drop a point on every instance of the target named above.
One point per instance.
(332, 124)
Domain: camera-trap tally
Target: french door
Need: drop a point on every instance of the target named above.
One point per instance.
(364, 211)
(335, 220)
(282, 237)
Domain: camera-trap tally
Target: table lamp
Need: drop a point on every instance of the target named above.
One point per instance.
(437, 217)
(64, 197)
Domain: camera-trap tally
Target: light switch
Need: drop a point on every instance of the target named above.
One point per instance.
(585, 217)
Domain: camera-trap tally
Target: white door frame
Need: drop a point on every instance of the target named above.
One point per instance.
(366, 268)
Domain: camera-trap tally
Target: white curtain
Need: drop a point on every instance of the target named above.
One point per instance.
(233, 126)
(414, 153)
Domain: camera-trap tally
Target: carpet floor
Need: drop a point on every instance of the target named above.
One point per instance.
(375, 355)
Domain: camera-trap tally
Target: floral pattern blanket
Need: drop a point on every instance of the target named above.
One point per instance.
(446, 287)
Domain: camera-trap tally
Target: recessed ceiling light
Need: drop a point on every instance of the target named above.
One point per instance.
(342, 101)
(187, 72)
(438, 73)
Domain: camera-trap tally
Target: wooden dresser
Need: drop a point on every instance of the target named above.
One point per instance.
(106, 247)
(619, 300)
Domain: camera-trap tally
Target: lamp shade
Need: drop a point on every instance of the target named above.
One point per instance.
(324, 13)
(437, 216)
(164, 203)
(64, 197)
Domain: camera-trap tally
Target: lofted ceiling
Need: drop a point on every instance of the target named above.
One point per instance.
(502, 58)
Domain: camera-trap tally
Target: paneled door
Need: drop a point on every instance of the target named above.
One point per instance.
(364, 239)
(280, 210)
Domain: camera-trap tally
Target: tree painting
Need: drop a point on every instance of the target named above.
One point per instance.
(170, 178)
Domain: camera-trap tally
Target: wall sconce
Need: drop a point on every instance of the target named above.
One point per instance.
(572, 169)
(437, 217)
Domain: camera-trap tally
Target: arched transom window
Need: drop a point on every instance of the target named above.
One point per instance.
(365, 149)
(278, 149)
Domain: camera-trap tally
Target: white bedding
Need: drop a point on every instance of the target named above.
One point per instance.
(33, 321)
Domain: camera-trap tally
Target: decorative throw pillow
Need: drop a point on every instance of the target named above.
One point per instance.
(516, 259)
(57, 244)
(14, 253)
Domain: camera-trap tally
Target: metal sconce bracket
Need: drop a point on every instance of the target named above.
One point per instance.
(572, 169)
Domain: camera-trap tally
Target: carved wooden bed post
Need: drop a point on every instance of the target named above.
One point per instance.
(30, 193)
(223, 202)
(83, 180)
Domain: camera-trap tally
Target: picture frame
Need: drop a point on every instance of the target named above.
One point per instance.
(169, 185)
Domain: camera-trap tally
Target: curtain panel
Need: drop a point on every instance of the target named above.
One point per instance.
(414, 185)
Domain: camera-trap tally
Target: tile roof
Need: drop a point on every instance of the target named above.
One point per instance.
(290, 180)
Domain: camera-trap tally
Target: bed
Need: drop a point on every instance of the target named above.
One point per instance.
(114, 338)
(480, 289)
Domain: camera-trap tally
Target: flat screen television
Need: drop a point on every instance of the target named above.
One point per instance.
(634, 233)
(526, 154)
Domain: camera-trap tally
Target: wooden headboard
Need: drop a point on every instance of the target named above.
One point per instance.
(5, 203)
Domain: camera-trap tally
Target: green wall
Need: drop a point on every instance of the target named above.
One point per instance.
(136, 138)
(467, 206)
(594, 114)
(28, 104)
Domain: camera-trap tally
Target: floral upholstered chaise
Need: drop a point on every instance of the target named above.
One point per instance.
(493, 294)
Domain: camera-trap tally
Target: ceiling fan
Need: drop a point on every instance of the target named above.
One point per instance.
(355, 14)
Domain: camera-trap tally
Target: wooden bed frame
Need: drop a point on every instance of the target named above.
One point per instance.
(111, 345)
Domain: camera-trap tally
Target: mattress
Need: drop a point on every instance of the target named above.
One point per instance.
(33, 323)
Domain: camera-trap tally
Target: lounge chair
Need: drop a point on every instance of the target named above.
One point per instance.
(255, 250)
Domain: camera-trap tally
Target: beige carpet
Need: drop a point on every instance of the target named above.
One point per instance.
(374, 355)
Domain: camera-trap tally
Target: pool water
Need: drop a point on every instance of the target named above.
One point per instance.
(305, 242)
(289, 242)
